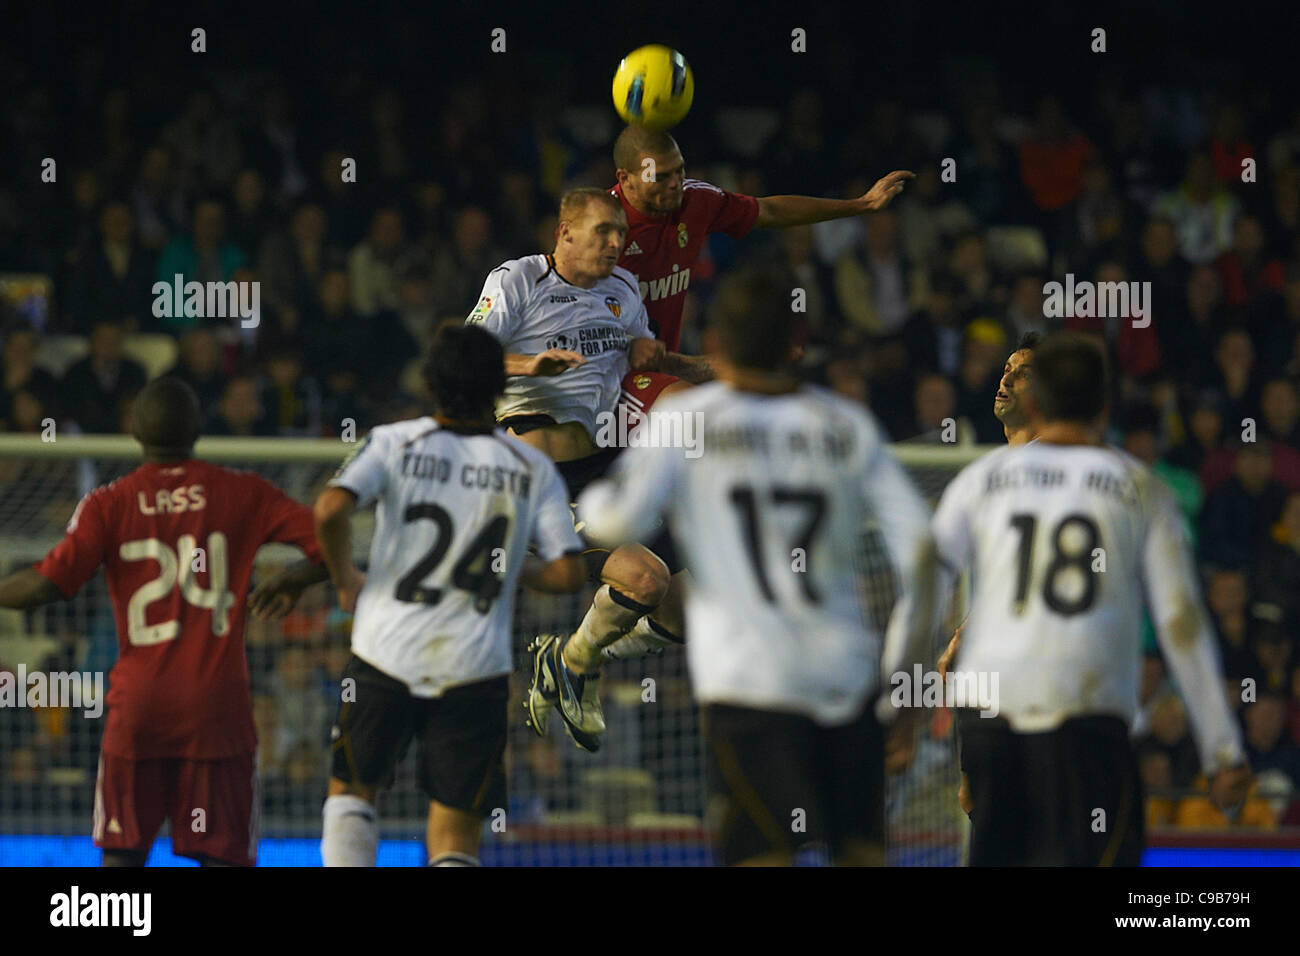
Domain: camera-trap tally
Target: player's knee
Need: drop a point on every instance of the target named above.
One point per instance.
(638, 573)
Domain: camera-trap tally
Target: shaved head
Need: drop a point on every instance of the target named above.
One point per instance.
(637, 141)
(165, 417)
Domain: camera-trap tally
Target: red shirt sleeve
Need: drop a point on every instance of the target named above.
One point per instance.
(732, 213)
(74, 560)
(287, 521)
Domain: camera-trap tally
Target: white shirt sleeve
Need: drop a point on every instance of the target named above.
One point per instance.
(500, 304)
(365, 473)
(1184, 633)
(626, 506)
(900, 510)
(639, 327)
(553, 534)
(927, 585)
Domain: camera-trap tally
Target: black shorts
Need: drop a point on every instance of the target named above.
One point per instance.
(1066, 797)
(581, 472)
(462, 737)
(780, 780)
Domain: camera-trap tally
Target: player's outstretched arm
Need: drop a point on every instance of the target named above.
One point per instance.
(564, 575)
(333, 514)
(1189, 648)
(779, 212)
(26, 589)
(273, 599)
(548, 363)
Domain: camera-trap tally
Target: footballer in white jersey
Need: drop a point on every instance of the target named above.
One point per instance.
(771, 516)
(531, 308)
(463, 513)
(572, 324)
(1067, 540)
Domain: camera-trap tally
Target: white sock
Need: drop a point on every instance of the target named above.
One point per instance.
(610, 616)
(643, 640)
(454, 859)
(351, 832)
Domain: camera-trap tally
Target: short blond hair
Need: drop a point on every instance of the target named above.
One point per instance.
(574, 202)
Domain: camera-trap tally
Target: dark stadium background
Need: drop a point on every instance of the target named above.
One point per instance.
(499, 133)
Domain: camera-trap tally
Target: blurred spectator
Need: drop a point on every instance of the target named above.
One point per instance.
(1277, 567)
(274, 148)
(935, 401)
(1159, 263)
(1228, 599)
(985, 353)
(1228, 145)
(304, 711)
(876, 288)
(23, 376)
(1205, 434)
(1203, 213)
(203, 143)
(1271, 650)
(156, 200)
(113, 278)
(1267, 745)
(1234, 359)
(240, 411)
(250, 213)
(1248, 271)
(417, 313)
(460, 267)
(1025, 308)
(1239, 513)
(1141, 441)
(94, 387)
(1052, 161)
(928, 217)
(345, 210)
(1169, 734)
(292, 262)
(934, 336)
(203, 256)
(1280, 412)
(977, 292)
(989, 167)
(199, 365)
(372, 265)
(292, 400)
(811, 276)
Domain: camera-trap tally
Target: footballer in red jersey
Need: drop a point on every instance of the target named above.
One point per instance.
(669, 218)
(176, 538)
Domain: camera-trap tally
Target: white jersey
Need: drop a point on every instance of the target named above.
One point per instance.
(771, 516)
(455, 515)
(530, 308)
(1066, 543)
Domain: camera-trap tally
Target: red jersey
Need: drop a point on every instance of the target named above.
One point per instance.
(660, 251)
(177, 542)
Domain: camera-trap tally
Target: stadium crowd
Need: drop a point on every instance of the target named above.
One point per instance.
(913, 311)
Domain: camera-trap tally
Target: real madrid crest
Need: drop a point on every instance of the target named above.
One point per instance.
(682, 236)
(611, 303)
